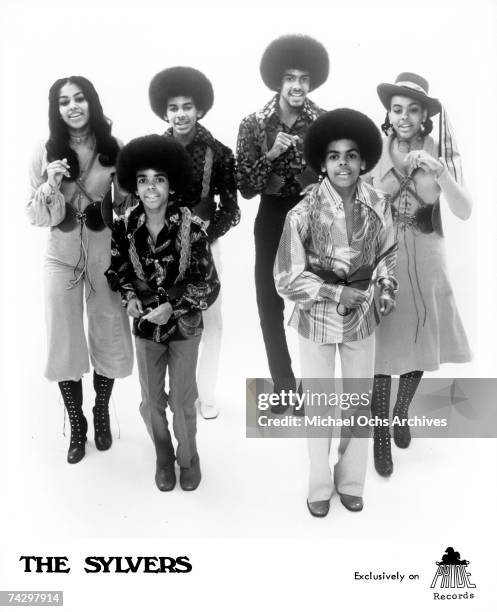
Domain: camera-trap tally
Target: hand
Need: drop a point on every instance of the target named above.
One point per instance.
(281, 144)
(423, 160)
(56, 170)
(134, 308)
(387, 304)
(159, 315)
(352, 298)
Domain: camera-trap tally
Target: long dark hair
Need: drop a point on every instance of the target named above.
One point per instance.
(58, 143)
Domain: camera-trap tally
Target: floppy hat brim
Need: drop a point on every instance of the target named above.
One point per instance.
(387, 90)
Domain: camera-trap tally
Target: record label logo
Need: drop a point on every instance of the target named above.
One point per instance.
(452, 573)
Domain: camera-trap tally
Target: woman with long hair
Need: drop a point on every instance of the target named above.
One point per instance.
(71, 179)
(425, 329)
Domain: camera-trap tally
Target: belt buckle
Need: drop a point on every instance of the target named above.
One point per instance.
(342, 310)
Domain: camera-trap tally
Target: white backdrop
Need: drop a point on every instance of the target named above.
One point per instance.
(251, 489)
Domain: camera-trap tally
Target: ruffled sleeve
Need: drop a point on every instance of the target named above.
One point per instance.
(46, 205)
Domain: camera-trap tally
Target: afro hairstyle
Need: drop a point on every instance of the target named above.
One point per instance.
(155, 152)
(336, 125)
(180, 81)
(294, 52)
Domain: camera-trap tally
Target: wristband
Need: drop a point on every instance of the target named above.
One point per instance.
(388, 297)
(388, 293)
(50, 192)
(387, 283)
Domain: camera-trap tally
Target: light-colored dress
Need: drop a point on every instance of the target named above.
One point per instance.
(75, 263)
(425, 329)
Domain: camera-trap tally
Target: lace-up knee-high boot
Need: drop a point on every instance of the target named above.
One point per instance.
(380, 408)
(101, 420)
(408, 383)
(72, 394)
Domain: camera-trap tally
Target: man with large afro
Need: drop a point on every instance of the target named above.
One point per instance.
(182, 95)
(337, 243)
(162, 265)
(180, 81)
(271, 164)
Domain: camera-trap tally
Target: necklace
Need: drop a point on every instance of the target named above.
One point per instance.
(405, 146)
(83, 139)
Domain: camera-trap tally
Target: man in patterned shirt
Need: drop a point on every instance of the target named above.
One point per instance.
(334, 242)
(162, 265)
(181, 96)
(271, 163)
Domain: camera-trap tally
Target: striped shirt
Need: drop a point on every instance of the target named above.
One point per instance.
(314, 242)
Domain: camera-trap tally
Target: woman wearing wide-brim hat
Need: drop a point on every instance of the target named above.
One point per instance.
(425, 330)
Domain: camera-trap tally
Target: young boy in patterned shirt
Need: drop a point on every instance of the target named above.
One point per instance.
(162, 265)
(334, 242)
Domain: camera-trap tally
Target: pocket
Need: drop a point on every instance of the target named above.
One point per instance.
(190, 325)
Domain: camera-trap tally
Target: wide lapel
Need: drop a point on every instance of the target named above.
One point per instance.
(372, 215)
(323, 210)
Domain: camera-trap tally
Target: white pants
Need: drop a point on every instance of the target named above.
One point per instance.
(318, 363)
(109, 344)
(210, 348)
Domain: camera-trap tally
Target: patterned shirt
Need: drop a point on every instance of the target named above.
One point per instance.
(178, 269)
(314, 243)
(286, 175)
(213, 177)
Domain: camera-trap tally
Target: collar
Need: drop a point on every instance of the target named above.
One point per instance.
(310, 110)
(385, 165)
(202, 136)
(136, 217)
(365, 194)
